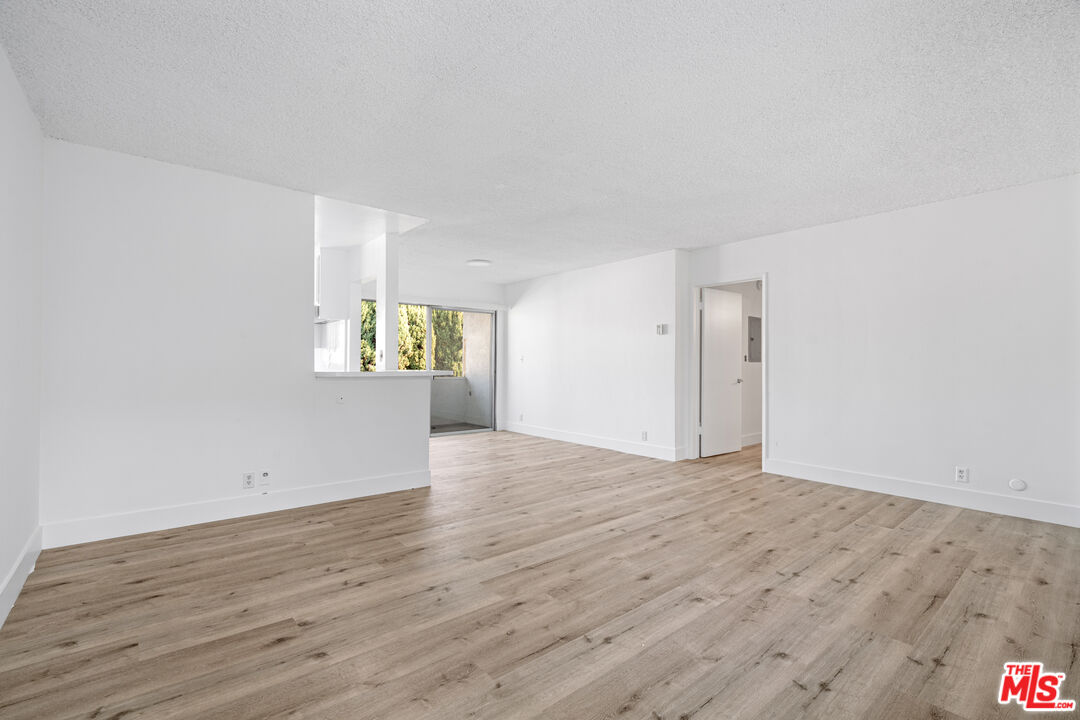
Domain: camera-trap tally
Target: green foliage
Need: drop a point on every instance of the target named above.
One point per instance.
(447, 326)
(412, 328)
(367, 335)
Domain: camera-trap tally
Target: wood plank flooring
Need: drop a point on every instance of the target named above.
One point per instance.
(538, 579)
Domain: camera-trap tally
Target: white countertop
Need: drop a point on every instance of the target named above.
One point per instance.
(384, 374)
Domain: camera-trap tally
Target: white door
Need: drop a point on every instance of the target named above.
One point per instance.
(721, 372)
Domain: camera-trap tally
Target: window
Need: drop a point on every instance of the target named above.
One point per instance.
(448, 351)
(446, 347)
(412, 337)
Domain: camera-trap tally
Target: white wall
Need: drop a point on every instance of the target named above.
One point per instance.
(903, 344)
(177, 355)
(20, 337)
(453, 286)
(585, 363)
(477, 336)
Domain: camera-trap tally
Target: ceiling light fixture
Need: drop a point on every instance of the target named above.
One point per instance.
(478, 262)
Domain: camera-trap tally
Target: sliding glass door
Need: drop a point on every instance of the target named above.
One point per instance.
(463, 342)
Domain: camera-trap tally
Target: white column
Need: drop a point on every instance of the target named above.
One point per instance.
(386, 305)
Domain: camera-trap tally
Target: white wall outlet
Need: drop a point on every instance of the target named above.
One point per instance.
(340, 400)
(521, 417)
(248, 482)
(264, 478)
(644, 434)
(963, 474)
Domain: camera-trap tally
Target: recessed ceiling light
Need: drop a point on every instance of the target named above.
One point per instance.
(477, 262)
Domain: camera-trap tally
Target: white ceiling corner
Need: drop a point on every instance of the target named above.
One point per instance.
(339, 223)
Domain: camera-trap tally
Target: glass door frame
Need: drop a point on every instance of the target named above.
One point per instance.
(494, 365)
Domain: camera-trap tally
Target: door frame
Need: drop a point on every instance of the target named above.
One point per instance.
(494, 313)
(693, 443)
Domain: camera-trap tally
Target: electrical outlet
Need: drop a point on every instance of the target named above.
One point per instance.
(644, 434)
(521, 417)
(264, 478)
(340, 399)
(963, 474)
(248, 482)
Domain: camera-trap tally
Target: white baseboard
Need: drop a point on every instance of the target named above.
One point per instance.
(80, 530)
(659, 452)
(751, 439)
(16, 576)
(1032, 509)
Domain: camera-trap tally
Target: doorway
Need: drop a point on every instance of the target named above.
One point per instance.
(463, 342)
(730, 360)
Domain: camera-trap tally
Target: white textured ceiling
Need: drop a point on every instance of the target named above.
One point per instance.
(551, 135)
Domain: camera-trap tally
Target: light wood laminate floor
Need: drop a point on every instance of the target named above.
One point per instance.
(542, 579)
